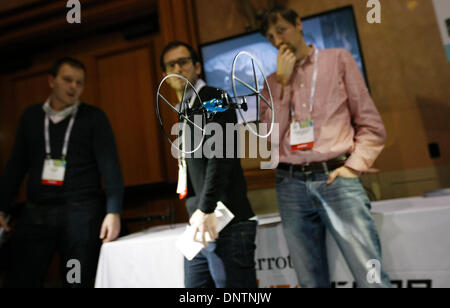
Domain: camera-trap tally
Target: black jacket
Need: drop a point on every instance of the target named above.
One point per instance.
(91, 156)
(218, 178)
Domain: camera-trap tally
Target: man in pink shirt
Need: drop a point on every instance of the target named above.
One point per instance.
(330, 132)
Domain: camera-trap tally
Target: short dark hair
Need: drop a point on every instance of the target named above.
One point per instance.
(66, 60)
(271, 17)
(173, 45)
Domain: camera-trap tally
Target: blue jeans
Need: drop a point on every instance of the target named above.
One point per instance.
(229, 262)
(309, 207)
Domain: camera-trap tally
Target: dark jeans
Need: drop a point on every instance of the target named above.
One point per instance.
(229, 262)
(71, 229)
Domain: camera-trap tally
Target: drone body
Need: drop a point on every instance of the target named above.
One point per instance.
(220, 103)
(215, 105)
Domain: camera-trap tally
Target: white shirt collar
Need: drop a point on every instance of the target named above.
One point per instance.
(58, 116)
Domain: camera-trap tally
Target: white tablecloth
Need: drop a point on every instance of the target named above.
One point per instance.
(414, 233)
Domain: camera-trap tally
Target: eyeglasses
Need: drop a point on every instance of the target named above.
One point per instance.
(182, 62)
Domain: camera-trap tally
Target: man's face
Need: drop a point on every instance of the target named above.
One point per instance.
(179, 61)
(68, 85)
(283, 32)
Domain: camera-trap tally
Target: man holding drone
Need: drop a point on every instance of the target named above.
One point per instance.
(228, 261)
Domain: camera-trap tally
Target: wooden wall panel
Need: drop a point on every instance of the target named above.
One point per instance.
(9, 5)
(23, 91)
(3, 126)
(231, 20)
(126, 95)
(29, 90)
(178, 21)
(43, 21)
(19, 93)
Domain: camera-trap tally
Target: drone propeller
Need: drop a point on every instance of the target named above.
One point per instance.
(256, 89)
(184, 112)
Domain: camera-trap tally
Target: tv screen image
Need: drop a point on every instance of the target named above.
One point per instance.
(218, 61)
(333, 29)
(336, 29)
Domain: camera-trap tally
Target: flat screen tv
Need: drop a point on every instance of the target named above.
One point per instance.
(332, 29)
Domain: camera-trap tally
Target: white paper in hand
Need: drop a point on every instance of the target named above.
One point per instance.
(190, 248)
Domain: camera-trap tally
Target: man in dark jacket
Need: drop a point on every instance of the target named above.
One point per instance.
(66, 147)
(228, 261)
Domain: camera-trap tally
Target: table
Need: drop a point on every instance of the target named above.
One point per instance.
(413, 232)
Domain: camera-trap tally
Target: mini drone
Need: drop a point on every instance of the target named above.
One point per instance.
(208, 108)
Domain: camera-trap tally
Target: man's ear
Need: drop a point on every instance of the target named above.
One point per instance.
(51, 81)
(198, 68)
(298, 24)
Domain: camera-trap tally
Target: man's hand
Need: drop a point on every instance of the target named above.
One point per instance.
(3, 223)
(204, 223)
(344, 172)
(285, 64)
(110, 228)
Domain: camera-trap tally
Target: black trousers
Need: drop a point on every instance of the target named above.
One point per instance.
(72, 229)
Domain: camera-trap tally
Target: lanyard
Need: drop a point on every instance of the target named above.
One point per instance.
(66, 138)
(313, 85)
(200, 84)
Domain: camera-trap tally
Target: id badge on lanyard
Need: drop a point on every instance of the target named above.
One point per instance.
(182, 166)
(302, 133)
(182, 179)
(54, 170)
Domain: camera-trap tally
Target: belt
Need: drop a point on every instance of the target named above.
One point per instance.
(326, 166)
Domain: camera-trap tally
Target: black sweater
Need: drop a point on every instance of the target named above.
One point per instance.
(91, 157)
(217, 179)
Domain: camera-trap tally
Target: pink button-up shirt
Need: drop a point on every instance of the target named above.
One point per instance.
(346, 120)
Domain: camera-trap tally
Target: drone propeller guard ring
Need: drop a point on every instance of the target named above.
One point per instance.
(256, 91)
(185, 117)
